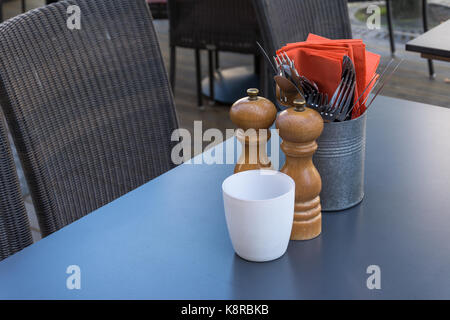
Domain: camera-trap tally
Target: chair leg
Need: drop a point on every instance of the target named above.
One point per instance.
(425, 29)
(216, 58)
(173, 66)
(390, 27)
(263, 86)
(211, 74)
(431, 69)
(24, 6)
(256, 64)
(198, 77)
(267, 86)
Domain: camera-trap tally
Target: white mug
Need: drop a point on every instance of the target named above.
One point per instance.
(259, 209)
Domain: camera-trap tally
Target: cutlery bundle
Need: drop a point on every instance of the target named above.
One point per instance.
(335, 77)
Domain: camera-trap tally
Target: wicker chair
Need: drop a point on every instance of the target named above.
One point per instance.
(285, 21)
(214, 25)
(90, 110)
(14, 226)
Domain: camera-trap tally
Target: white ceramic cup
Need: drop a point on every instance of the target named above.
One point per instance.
(259, 209)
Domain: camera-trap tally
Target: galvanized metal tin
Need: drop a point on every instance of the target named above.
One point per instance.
(340, 161)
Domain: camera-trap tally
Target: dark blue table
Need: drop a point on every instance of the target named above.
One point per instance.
(168, 238)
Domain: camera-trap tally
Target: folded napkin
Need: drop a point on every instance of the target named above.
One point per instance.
(320, 60)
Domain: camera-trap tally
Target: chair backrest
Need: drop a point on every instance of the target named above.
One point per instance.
(14, 226)
(228, 25)
(285, 21)
(90, 109)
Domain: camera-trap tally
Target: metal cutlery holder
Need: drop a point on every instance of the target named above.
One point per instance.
(340, 162)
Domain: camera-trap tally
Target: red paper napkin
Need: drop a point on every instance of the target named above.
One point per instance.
(320, 60)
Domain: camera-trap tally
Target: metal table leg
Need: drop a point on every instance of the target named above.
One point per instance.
(425, 29)
(390, 27)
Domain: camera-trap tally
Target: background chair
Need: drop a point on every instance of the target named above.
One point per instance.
(14, 226)
(158, 8)
(90, 110)
(213, 25)
(285, 21)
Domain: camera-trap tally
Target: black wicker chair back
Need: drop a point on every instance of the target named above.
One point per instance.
(215, 25)
(90, 109)
(227, 25)
(285, 21)
(14, 226)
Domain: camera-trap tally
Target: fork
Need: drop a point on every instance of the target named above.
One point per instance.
(286, 68)
(319, 102)
(337, 107)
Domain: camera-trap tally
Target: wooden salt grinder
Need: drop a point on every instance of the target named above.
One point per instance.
(256, 113)
(299, 128)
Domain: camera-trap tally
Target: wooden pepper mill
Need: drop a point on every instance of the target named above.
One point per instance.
(299, 127)
(258, 113)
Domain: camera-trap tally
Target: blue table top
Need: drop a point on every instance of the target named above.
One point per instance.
(168, 239)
